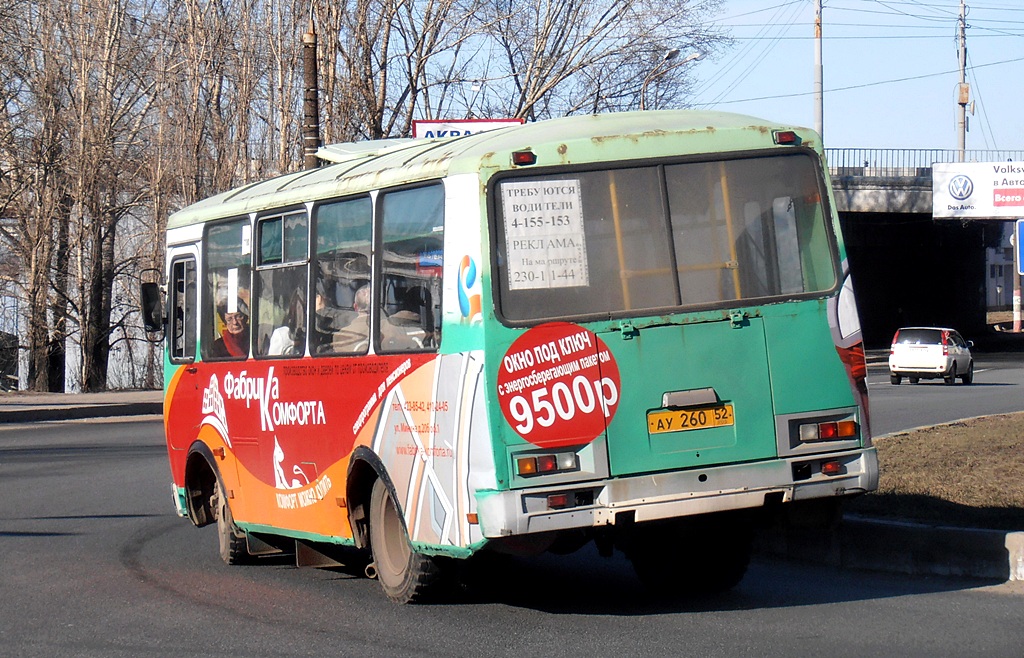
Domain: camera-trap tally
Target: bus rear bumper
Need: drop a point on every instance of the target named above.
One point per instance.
(640, 498)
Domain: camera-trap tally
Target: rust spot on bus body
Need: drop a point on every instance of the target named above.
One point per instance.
(633, 137)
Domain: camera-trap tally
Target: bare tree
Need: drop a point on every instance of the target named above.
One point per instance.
(110, 99)
(196, 88)
(388, 62)
(557, 58)
(36, 186)
(115, 113)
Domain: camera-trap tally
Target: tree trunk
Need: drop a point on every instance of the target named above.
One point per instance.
(99, 287)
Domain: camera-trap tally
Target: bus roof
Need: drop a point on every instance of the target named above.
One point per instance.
(363, 166)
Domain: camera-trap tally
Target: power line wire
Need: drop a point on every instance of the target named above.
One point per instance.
(880, 37)
(736, 60)
(984, 110)
(871, 84)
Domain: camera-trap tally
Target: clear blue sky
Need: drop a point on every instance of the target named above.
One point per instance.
(890, 70)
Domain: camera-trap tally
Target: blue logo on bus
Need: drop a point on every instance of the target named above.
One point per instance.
(961, 187)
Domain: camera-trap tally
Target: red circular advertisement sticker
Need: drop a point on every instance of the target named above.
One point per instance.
(558, 385)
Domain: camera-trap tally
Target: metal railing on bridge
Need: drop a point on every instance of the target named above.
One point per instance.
(905, 162)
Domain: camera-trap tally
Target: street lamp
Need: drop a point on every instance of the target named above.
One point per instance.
(660, 69)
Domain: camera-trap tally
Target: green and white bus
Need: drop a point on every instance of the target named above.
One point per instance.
(636, 329)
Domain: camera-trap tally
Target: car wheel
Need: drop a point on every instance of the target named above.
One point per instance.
(914, 380)
(968, 377)
(950, 377)
(895, 379)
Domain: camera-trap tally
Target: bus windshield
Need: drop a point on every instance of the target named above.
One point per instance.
(694, 234)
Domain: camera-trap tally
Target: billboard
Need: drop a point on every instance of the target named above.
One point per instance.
(977, 190)
(458, 127)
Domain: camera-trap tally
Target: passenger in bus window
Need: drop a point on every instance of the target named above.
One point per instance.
(234, 338)
(355, 336)
(290, 338)
(419, 301)
(329, 317)
(401, 324)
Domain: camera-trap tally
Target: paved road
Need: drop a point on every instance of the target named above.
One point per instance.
(96, 564)
(998, 388)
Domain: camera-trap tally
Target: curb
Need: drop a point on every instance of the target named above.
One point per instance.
(39, 414)
(31, 407)
(903, 547)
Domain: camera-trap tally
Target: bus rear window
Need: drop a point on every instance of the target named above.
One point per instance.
(698, 234)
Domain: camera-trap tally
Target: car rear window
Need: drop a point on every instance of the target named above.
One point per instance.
(919, 337)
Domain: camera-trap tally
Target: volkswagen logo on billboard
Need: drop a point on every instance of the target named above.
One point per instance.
(960, 187)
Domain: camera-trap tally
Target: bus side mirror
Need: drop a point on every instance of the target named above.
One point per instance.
(152, 307)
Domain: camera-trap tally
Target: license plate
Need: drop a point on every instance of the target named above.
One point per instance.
(660, 422)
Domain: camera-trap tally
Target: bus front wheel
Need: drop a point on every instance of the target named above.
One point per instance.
(233, 547)
(404, 574)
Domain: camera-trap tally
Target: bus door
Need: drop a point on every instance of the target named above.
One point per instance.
(181, 331)
(691, 395)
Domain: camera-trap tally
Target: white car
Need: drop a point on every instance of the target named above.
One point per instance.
(929, 353)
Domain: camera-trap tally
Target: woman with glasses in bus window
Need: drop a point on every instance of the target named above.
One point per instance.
(234, 337)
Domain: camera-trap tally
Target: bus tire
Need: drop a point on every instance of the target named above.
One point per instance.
(404, 574)
(680, 561)
(233, 547)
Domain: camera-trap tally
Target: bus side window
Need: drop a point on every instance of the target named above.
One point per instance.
(227, 280)
(412, 230)
(182, 307)
(281, 276)
(340, 318)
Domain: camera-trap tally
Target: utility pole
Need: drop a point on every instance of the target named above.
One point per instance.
(964, 89)
(1015, 242)
(819, 101)
(310, 100)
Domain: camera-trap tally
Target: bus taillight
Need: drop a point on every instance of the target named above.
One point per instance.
(828, 431)
(833, 467)
(524, 158)
(786, 137)
(558, 501)
(546, 464)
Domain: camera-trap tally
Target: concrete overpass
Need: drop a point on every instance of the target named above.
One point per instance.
(907, 267)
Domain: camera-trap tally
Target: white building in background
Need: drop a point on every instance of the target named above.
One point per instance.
(999, 284)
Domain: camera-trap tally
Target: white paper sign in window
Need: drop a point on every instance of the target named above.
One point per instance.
(544, 236)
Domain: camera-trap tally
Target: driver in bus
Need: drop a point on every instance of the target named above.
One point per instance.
(234, 338)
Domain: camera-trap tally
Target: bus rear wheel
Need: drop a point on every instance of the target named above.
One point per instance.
(233, 547)
(688, 559)
(404, 574)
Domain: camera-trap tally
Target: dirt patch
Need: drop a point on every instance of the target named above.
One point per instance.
(969, 473)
